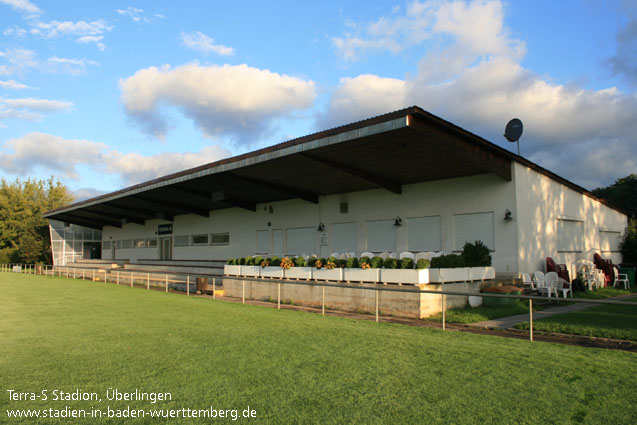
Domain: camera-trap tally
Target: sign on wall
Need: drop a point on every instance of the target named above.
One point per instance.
(165, 229)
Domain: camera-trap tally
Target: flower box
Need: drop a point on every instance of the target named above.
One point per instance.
(272, 272)
(408, 276)
(481, 273)
(458, 274)
(232, 270)
(328, 274)
(299, 273)
(252, 271)
(360, 275)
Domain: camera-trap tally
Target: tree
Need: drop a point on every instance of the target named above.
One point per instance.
(628, 246)
(24, 232)
(622, 193)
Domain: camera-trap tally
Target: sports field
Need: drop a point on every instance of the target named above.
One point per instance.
(98, 341)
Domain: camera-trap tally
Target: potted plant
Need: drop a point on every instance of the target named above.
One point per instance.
(403, 272)
(360, 271)
(297, 269)
(271, 268)
(231, 268)
(448, 268)
(327, 270)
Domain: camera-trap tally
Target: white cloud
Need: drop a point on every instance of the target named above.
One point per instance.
(204, 44)
(624, 61)
(80, 28)
(68, 65)
(13, 85)
(49, 153)
(132, 12)
(476, 81)
(18, 60)
(24, 6)
(31, 109)
(239, 101)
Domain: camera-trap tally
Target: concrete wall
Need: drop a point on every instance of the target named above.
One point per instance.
(541, 201)
(445, 198)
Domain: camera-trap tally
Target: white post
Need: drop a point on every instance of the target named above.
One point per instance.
(188, 285)
(117, 277)
(376, 306)
(323, 301)
(278, 299)
(93, 275)
(214, 288)
(531, 320)
(132, 275)
(147, 280)
(166, 283)
(243, 292)
(443, 312)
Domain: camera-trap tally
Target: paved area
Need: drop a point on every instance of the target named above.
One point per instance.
(510, 321)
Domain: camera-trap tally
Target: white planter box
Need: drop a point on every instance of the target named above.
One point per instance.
(459, 274)
(252, 271)
(409, 276)
(299, 273)
(360, 275)
(232, 270)
(272, 272)
(328, 274)
(481, 273)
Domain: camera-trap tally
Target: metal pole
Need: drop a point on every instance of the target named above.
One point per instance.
(147, 280)
(243, 292)
(214, 288)
(73, 272)
(83, 274)
(132, 275)
(278, 297)
(166, 283)
(323, 302)
(531, 320)
(443, 312)
(187, 285)
(376, 306)
(93, 275)
(67, 272)
(117, 277)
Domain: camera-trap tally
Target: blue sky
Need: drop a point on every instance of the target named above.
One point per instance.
(103, 95)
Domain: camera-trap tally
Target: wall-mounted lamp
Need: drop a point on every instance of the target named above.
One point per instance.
(321, 227)
(508, 216)
(398, 221)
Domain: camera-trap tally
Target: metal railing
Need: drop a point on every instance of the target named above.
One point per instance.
(129, 278)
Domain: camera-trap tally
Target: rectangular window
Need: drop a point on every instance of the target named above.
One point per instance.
(381, 235)
(263, 241)
(151, 243)
(609, 240)
(181, 240)
(106, 245)
(200, 239)
(118, 244)
(139, 243)
(277, 241)
(343, 237)
(127, 243)
(220, 239)
(474, 227)
(570, 235)
(423, 233)
(301, 240)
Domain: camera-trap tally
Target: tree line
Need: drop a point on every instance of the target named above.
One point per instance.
(24, 232)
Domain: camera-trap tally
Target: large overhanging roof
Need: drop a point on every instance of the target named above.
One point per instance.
(388, 151)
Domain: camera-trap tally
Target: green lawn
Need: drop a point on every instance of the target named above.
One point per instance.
(480, 314)
(606, 321)
(290, 367)
(601, 293)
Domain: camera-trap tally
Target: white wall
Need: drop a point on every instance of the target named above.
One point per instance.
(541, 202)
(444, 198)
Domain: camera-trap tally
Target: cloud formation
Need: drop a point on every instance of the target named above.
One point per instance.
(624, 61)
(13, 85)
(54, 154)
(241, 102)
(202, 43)
(31, 109)
(475, 79)
(24, 6)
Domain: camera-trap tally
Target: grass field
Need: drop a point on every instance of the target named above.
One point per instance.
(288, 366)
(605, 321)
(479, 314)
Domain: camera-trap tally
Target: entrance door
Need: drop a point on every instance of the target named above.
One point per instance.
(166, 249)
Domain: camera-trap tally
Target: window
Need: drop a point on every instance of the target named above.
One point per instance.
(474, 227)
(570, 235)
(127, 244)
(263, 241)
(609, 240)
(106, 245)
(139, 243)
(181, 240)
(118, 244)
(343, 237)
(220, 238)
(277, 241)
(423, 233)
(301, 240)
(151, 243)
(381, 235)
(200, 239)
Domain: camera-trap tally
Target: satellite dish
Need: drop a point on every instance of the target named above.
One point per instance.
(513, 131)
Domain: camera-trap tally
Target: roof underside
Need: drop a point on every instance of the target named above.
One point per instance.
(407, 146)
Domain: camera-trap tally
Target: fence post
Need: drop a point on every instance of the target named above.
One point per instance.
(67, 272)
(93, 275)
(166, 283)
(376, 306)
(74, 272)
(132, 275)
(323, 302)
(147, 280)
(214, 288)
(117, 277)
(531, 319)
(443, 312)
(243, 292)
(188, 285)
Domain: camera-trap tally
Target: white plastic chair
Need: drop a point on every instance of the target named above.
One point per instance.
(367, 254)
(428, 255)
(406, 254)
(439, 254)
(621, 278)
(552, 282)
(384, 255)
(539, 281)
(526, 280)
(344, 256)
(393, 255)
(335, 255)
(564, 286)
(351, 255)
